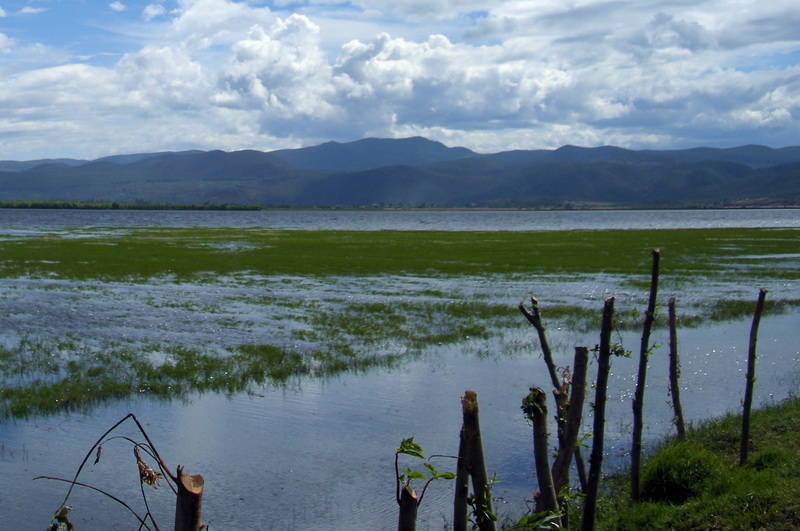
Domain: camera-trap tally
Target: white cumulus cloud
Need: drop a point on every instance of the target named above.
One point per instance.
(32, 10)
(510, 74)
(152, 11)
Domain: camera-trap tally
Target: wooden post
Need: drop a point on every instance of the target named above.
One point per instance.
(535, 407)
(561, 463)
(408, 510)
(596, 459)
(535, 319)
(476, 463)
(638, 398)
(675, 372)
(460, 504)
(190, 497)
(751, 378)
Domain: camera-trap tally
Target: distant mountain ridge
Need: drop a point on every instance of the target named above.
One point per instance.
(370, 154)
(415, 172)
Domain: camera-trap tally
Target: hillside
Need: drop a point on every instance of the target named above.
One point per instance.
(416, 172)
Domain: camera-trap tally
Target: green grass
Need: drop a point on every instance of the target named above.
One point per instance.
(698, 485)
(186, 254)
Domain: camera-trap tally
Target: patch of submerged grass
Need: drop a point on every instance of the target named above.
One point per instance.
(40, 378)
(730, 309)
(72, 394)
(268, 362)
(79, 383)
(403, 325)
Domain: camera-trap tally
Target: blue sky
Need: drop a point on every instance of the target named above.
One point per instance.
(86, 79)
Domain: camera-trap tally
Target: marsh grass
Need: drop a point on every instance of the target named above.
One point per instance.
(702, 487)
(82, 383)
(727, 310)
(371, 329)
(183, 254)
(404, 325)
(332, 336)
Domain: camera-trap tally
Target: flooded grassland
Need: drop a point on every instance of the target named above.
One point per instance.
(94, 317)
(167, 312)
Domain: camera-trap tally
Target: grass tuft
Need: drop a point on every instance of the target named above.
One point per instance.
(678, 472)
(698, 484)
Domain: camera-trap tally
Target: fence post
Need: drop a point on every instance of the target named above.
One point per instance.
(562, 461)
(675, 371)
(751, 378)
(476, 463)
(460, 500)
(408, 510)
(596, 459)
(638, 398)
(535, 408)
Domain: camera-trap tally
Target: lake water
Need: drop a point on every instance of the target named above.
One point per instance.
(12, 220)
(318, 453)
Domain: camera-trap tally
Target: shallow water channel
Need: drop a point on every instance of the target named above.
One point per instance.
(317, 452)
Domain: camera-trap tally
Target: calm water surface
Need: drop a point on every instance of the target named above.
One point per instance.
(318, 454)
(24, 220)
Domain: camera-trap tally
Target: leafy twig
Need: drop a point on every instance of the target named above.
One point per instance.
(73, 483)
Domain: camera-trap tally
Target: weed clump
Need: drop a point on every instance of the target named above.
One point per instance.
(678, 472)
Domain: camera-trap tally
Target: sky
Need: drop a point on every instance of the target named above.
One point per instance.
(90, 78)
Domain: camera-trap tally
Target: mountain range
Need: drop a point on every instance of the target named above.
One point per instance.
(417, 172)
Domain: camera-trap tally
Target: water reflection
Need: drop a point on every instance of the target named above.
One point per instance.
(319, 456)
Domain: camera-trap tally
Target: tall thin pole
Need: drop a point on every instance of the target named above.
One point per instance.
(638, 398)
(751, 378)
(596, 459)
(675, 371)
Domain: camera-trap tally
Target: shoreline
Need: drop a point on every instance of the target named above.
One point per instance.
(79, 205)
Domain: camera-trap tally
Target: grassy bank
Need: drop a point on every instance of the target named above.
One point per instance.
(699, 485)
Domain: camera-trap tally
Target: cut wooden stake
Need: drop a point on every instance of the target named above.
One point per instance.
(189, 503)
(460, 501)
(561, 463)
(408, 510)
(596, 459)
(744, 444)
(476, 463)
(641, 384)
(535, 407)
(675, 371)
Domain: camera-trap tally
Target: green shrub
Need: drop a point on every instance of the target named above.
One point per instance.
(677, 473)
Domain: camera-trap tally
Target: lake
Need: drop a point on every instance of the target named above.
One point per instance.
(318, 453)
(12, 220)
